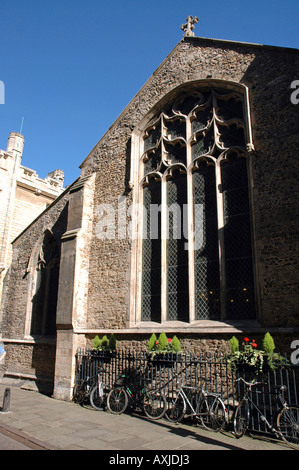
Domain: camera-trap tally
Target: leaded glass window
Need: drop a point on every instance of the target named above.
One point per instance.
(206, 258)
(151, 261)
(177, 291)
(193, 167)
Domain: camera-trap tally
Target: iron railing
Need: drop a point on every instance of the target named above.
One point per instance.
(212, 371)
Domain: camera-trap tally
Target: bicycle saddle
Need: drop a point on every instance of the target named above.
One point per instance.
(282, 388)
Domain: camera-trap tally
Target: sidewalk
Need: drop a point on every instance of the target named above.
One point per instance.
(58, 425)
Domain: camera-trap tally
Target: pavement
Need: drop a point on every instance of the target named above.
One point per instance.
(38, 422)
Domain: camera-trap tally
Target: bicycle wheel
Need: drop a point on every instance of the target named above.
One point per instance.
(176, 408)
(288, 425)
(241, 418)
(212, 412)
(154, 404)
(96, 397)
(117, 400)
(80, 393)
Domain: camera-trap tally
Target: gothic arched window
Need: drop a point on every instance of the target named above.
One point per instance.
(44, 300)
(196, 255)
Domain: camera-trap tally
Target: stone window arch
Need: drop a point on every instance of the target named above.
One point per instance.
(190, 169)
(43, 279)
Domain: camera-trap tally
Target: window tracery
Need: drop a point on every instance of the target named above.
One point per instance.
(194, 155)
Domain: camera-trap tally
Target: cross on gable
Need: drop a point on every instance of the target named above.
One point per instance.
(189, 26)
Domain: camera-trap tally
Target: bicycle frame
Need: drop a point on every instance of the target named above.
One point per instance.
(137, 396)
(279, 399)
(201, 396)
(83, 387)
(186, 399)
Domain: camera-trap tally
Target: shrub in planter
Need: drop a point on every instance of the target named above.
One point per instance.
(104, 349)
(112, 342)
(176, 345)
(152, 342)
(268, 344)
(234, 344)
(251, 358)
(163, 343)
(163, 347)
(105, 344)
(96, 342)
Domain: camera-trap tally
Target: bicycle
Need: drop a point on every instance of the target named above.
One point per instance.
(91, 390)
(99, 392)
(209, 409)
(151, 401)
(286, 418)
(81, 390)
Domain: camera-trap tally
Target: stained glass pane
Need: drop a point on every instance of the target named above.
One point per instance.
(237, 233)
(203, 145)
(206, 259)
(231, 136)
(175, 127)
(152, 137)
(175, 152)
(152, 161)
(151, 255)
(177, 255)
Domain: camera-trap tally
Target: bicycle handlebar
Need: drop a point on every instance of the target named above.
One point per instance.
(250, 384)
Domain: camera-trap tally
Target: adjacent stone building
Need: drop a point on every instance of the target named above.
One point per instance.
(184, 219)
(23, 196)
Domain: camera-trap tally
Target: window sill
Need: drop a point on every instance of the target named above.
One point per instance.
(31, 340)
(200, 326)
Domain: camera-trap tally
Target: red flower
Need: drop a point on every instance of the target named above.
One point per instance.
(254, 345)
(169, 340)
(246, 339)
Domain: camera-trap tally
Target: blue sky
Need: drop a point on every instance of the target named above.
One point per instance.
(71, 66)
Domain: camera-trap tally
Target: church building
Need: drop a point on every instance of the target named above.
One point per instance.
(184, 220)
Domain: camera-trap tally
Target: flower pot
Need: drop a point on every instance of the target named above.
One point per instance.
(165, 359)
(103, 356)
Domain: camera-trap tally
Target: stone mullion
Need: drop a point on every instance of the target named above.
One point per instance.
(220, 219)
(221, 248)
(164, 222)
(190, 222)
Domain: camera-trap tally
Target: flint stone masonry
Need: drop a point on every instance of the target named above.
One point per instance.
(28, 357)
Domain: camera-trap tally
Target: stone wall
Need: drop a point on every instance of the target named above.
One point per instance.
(28, 359)
(275, 122)
(215, 343)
